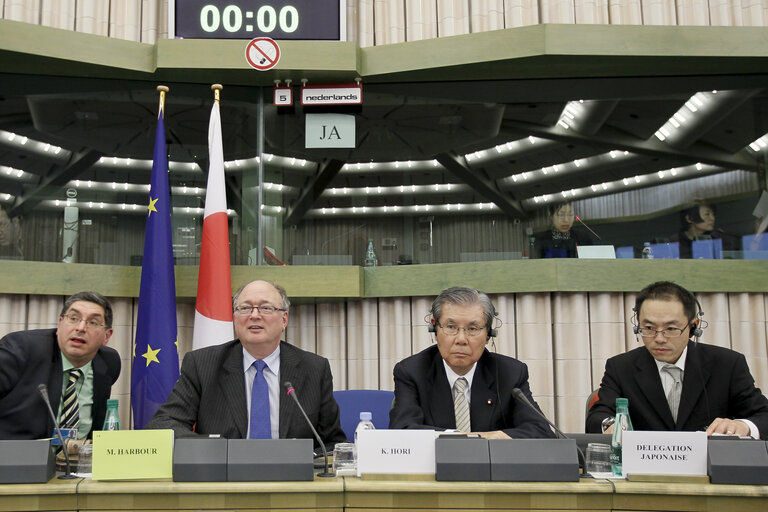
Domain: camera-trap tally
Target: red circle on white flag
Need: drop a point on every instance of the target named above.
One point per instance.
(262, 53)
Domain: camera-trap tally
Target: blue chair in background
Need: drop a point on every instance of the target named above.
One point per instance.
(666, 251)
(354, 401)
(755, 246)
(711, 249)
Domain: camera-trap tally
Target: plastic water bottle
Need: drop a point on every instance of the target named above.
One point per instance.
(365, 424)
(370, 255)
(647, 251)
(112, 419)
(621, 424)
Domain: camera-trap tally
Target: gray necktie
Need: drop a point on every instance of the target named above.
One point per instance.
(673, 397)
(460, 406)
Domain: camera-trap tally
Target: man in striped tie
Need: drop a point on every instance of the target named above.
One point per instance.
(458, 384)
(74, 363)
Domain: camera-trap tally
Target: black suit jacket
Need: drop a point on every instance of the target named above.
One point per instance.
(716, 384)
(31, 358)
(423, 397)
(210, 395)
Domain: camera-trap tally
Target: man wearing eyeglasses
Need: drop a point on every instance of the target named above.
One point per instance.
(236, 389)
(72, 360)
(673, 384)
(460, 385)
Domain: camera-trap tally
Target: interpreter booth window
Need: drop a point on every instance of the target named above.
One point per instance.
(416, 174)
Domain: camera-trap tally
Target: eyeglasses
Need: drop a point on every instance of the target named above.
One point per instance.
(266, 310)
(452, 330)
(89, 324)
(669, 332)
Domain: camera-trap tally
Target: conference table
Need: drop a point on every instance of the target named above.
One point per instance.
(374, 494)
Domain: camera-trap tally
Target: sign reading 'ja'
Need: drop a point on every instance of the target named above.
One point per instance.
(329, 131)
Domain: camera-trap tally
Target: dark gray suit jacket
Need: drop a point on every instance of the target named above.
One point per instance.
(31, 358)
(209, 396)
(716, 384)
(423, 397)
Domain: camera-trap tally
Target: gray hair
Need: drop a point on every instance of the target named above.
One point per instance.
(94, 297)
(463, 296)
(283, 295)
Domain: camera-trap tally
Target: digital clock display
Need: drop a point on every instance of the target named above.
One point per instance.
(247, 19)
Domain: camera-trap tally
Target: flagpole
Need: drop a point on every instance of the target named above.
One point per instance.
(162, 89)
(216, 88)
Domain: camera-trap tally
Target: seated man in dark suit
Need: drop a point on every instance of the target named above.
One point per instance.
(458, 384)
(236, 389)
(672, 384)
(72, 360)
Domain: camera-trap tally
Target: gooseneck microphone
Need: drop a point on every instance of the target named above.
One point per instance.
(292, 393)
(43, 390)
(589, 228)
(520, 397)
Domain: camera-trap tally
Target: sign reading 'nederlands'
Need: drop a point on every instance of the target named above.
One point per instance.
(244, 19)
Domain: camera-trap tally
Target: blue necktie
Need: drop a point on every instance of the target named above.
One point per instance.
(260, 428)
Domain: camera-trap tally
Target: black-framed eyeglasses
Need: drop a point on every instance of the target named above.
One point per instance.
(266, 309)
(669, 332)
(452, 330)
(73, 319)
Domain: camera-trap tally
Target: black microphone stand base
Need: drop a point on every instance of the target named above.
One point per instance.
(325, 474)
(67, 476)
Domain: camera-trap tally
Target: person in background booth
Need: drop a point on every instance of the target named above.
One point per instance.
(697, 222)
(561, 240)
(458, 383)
(72, 360)
(237, 389)
(673, 383)
(10, 236)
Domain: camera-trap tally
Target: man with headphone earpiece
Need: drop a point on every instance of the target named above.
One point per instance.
(457, 383)
(672, 384)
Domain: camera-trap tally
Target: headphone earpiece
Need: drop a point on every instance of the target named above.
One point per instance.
(636, 329)
(431, 328)
(696, 329)
(492, 333)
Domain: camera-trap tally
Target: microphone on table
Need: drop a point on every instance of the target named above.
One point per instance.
(292, 393)
(520, 397)
(43, 390)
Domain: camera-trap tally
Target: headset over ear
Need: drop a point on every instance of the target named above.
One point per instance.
(492, 331)
(696, 328)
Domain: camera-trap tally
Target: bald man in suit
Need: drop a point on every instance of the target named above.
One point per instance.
(215, 389)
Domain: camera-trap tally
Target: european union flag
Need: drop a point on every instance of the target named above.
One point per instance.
(155, 356)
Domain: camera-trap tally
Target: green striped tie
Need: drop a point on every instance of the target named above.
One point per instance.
(70, 409)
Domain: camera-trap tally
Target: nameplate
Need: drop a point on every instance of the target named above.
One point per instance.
(132, 454)
(664, 453)
(396, 451)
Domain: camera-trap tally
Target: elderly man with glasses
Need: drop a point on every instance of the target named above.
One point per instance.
(74, 363)
(673, 384)
(236, 389)
(458, 384)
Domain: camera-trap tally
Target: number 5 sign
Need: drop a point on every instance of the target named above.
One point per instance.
(262, 53)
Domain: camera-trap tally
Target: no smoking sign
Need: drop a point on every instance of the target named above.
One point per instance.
(262, 53)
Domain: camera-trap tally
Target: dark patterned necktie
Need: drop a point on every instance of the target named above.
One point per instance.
(70, 408)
